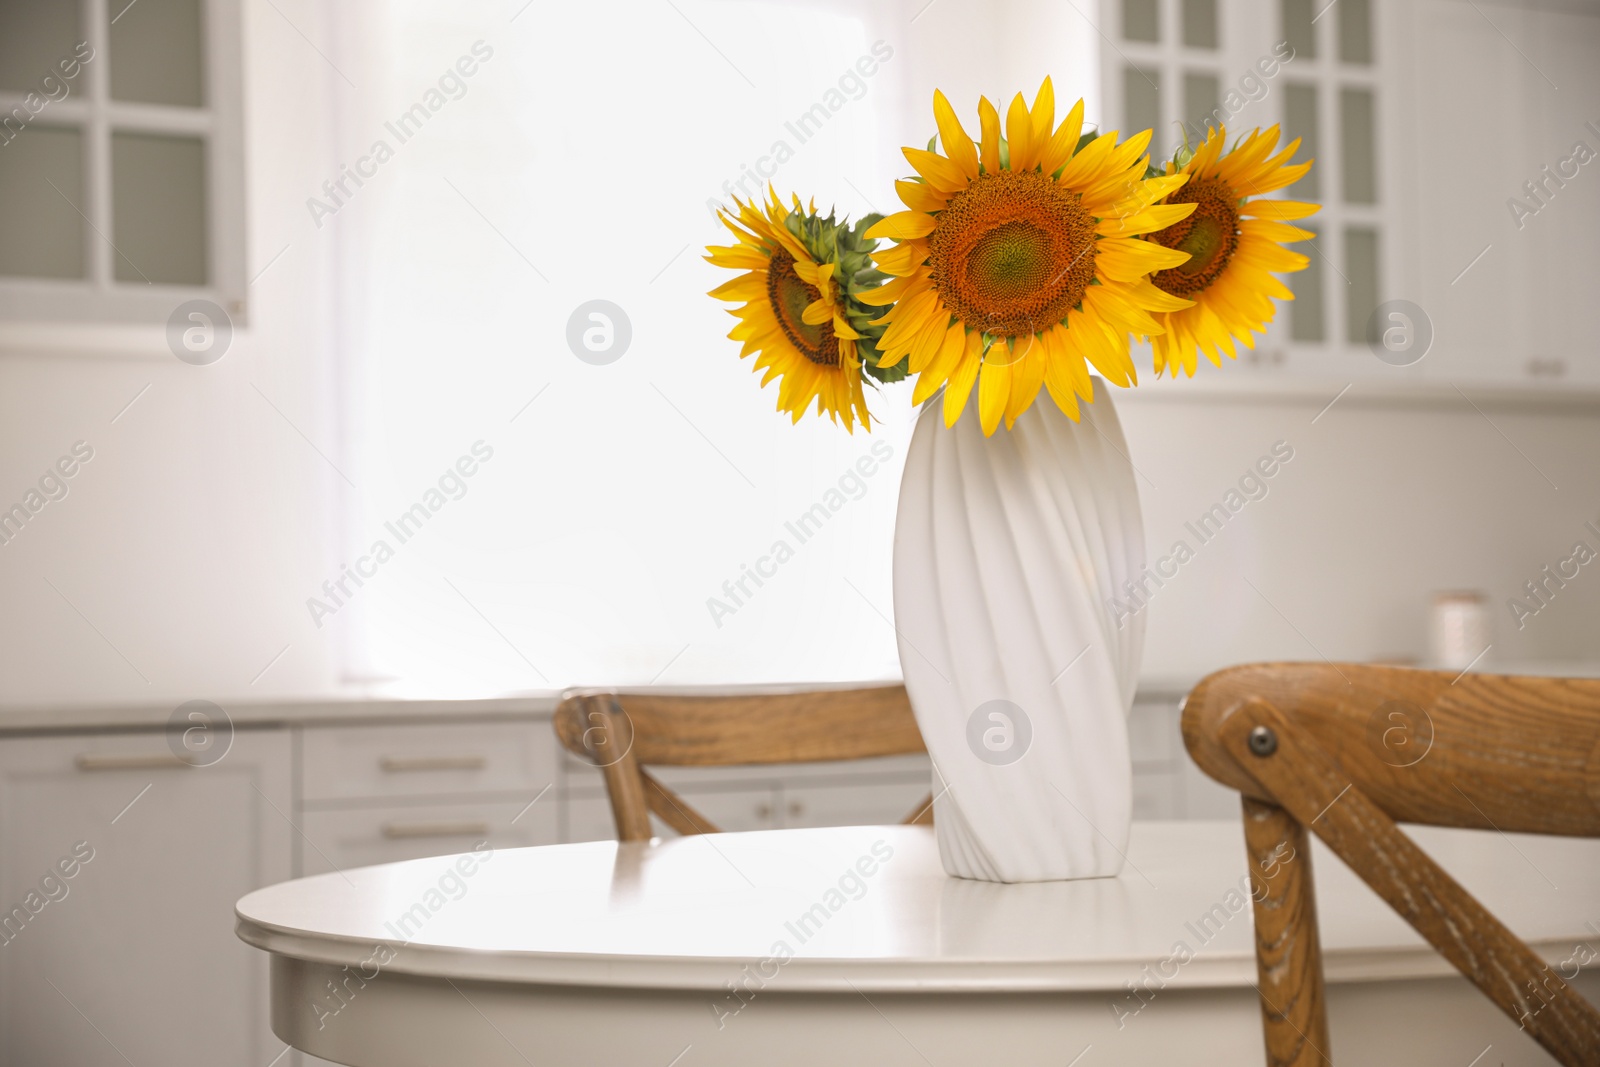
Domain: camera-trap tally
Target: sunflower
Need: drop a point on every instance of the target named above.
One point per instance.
(799, 306)
(1019, 256)
(1235, 245)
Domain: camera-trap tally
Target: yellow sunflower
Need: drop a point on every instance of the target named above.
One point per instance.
(1019, 256)
(1235, 245)
(796, 306)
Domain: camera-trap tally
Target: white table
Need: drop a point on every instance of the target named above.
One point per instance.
(698, 952)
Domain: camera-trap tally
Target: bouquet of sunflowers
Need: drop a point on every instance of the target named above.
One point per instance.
(1022, 260)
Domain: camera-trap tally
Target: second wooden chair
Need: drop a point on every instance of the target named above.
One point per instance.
(623, 732)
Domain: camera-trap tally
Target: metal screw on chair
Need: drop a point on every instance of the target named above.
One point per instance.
(1263, 742)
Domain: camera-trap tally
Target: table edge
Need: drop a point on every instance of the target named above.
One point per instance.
(834, 975)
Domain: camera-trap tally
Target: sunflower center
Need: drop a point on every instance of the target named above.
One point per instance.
(1012, 253)
(789, 294)
(1210, 236)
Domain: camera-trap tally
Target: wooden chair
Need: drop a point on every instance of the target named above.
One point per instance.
(623, 732)
(1346, 751)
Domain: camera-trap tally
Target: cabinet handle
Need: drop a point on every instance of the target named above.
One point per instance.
(441, 828)
(403, 764)
(149, 761)
(797, 807)
(763, 811)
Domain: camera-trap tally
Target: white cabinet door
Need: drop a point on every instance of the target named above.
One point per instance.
(360, 837)
(1470, 156)
(1565, 234)
(133, 957)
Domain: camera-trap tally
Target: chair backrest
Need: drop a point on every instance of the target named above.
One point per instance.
(623, 732)
(1347, 750)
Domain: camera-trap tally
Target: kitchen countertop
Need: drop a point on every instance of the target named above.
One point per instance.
(336, 710)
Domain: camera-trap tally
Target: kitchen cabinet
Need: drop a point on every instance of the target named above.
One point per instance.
(1472, 100)
(1564, 237)
(132, 958)
(390, 792)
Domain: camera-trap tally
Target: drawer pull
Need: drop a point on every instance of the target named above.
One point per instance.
(149, 761)
(403, 764)
(441, 828)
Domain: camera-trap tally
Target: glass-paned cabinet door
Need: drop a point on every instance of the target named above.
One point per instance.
(1184, 66)
(121, 159)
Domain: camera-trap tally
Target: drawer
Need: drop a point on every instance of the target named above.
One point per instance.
(589, 815)
(381, 762)
(360, 837)
(853, 804)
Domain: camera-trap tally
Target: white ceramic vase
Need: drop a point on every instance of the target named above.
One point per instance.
(1008, 550)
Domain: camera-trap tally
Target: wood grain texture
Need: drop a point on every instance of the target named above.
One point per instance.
(1288, 947)
(605, 737)
(673, 809)
(1475, 750)
(1310, 786)
(677, 729)
(622, 732)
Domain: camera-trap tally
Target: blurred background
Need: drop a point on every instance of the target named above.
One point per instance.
(399, 246)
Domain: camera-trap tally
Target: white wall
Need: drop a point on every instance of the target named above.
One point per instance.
(190, 543)
(1383, 505)
(183, 542)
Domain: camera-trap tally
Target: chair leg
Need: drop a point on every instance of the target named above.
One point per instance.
(1288, 953)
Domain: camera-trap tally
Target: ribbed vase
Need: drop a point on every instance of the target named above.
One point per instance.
(1008, 550)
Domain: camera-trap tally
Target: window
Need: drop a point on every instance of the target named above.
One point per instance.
(616, 503)
(120, 159)
(1167, 45)
(1331, 103)
(1181, 66)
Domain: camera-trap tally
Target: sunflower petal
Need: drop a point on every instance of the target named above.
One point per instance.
(1019, 139)
(1149, 220)
(901, 259)
(1127, 259)
(1282, 210)
(920, 196)
(957, 145)
(989, 124)
(1086, 164)
(943, 365)
(739, 257)
(903, 225)
(1027, 377)
(994, 389)
(936, 169)
(1059, 148)
(961, 382)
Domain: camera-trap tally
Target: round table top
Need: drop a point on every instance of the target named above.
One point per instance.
(870, 908)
